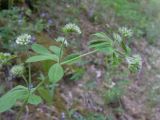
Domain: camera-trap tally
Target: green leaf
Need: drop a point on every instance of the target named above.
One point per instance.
(42, 57)
(106, 50)
(55, 73)
(40, 49)
(56, 50)
(100, 35)
(44, 93)
(10, 98)
(115, 59)
(101, 41)
(34, 99)
(72, 58)
(125, 48)
(99, 44)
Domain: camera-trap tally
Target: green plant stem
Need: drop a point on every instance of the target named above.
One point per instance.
(91, 52)
(29, 73)
(29, 70)
(60, 54)
(22, 108)
(25, 79)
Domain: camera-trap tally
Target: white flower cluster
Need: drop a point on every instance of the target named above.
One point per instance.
(17, 70)
(62, 40)
(134, 63)
(4, 58)
(125, 32)
(70, 27)
(23, 39)
(117, 37)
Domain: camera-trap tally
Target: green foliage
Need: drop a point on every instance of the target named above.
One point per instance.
(72, 58)
(34, 99)
(43, 52)
(117, 50)
(55, 50)
(18, 93)
(11, 97)
(40, 49)
(41, 58)
(44, 93)
(101, 42)
(55, 73)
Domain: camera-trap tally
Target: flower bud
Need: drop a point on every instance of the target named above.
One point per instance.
(69, 28)
(17, 70)
(125, 32)
(134, 63)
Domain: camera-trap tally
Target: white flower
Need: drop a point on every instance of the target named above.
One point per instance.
(62, 40)
(17, 70)
(70, 27)
(125, 32)
(134, 63)
(23, 39)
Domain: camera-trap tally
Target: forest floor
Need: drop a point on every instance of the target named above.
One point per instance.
(140, 102)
